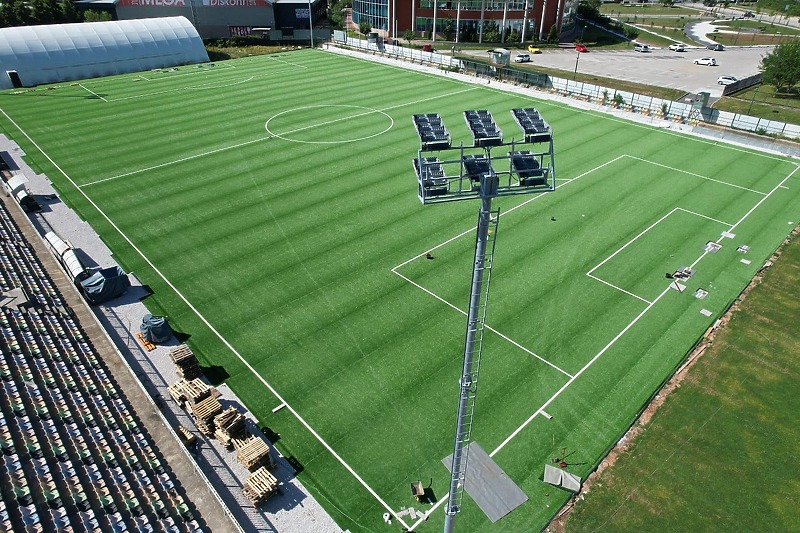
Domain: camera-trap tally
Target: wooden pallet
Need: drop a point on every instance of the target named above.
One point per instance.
(230, 424)
(255, 454)
(191, 392)
(149, 346)
(259, 486)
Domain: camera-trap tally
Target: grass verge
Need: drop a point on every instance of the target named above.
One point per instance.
(720, 453)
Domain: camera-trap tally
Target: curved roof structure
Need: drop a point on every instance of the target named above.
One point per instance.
(61, 52)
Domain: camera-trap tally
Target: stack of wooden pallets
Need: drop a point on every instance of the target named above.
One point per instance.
(259, 486)
(230, 425)
(185, 362)
(190, 392)
(253, 453)
(204, 412)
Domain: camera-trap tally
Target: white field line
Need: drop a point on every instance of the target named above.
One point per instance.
(209, 85)
(91, 91)
(581, 371)
(472, 229)
(631, 324)
(212, 328)
(181, 160)
(198, 72)
(618, 288)
(298, 65)
(604, 261)
(233, 146)
(695, 175)
(504, 337)
(363, 114)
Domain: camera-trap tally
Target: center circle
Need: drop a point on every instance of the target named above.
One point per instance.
(301, 121)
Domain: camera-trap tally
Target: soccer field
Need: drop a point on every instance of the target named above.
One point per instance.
(271, 205)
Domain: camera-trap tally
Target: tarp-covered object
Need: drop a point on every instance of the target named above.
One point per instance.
(62, 52)
(155, 328)
(105, 285)
(561, 478)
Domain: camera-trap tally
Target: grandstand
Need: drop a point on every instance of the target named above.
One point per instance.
(75, 455)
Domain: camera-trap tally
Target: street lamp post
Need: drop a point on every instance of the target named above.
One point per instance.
(577, 58)
(753, 98)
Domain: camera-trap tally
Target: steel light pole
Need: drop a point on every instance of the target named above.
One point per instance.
(310, 24)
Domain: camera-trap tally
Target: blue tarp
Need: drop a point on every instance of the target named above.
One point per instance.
(155, 328)
(105, 284)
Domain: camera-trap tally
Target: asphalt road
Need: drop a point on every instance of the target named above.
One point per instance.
(660, 67)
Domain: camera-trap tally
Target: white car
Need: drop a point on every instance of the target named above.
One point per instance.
(522, 58)
(677, 47)
(708, 61)
(726, 80)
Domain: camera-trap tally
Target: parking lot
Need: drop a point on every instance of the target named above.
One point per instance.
(660, 67)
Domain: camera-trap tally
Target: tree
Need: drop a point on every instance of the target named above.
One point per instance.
(46, 11)
(448, 28)
(364, 27)
(14, 13)
(781, 68)
(667, 3)
(335, 15)
(552, 37)
(68, 12)
(96, 16)
(408, 35)
(491, 32)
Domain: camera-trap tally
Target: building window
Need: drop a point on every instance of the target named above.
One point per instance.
(376, 12)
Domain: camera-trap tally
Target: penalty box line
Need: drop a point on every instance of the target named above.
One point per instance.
(395, 269)
(651, 226)
(634, 321)
(211, 328)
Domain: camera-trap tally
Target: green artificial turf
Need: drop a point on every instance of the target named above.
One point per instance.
(271, 205)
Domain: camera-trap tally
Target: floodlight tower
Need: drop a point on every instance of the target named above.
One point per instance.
(476, 174)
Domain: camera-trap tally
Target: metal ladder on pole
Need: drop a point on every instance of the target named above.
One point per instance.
(469, 380)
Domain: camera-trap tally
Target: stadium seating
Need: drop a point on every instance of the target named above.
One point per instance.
(74, 454)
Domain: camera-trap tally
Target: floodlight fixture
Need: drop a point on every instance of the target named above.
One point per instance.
(467, 173)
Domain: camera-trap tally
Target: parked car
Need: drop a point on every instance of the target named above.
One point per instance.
(726, 80)
(708, 61)
(749, 15)
(532, 49)
(716, 47)
(641, 48)
(522, 58)
(677, 47)
(581, 48)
